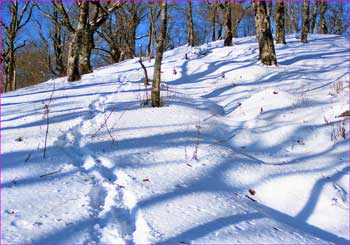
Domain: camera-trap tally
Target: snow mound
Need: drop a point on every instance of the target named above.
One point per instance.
(267, 100)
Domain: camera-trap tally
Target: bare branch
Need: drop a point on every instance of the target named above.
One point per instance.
(59, 6)
(20, 46)
(24, 10)
(103, 50)
(140, 37)
(6, 28)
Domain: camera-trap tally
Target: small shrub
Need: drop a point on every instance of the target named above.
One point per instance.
(338, 131)
(337, 87)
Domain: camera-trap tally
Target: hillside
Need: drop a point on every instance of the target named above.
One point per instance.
(239, 152)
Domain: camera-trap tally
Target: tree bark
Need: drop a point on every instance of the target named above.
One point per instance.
(73, 72)
(133, 26)
(11, 76)
(159, 56)
(314, 16)
(73, 60)
(220, 31)
(280, 32)
(235, 27)
(87, 45)
(190, 29)
(305, 28)
(293, 16)
(267, 53)
(212, 8)
(58, 46)
(10, 84)
(323, 9)
(150, 30)
(269, 9)
(228, 24)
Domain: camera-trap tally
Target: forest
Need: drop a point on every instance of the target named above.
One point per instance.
(175, 122)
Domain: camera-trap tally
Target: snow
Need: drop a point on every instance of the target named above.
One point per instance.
(119, 171)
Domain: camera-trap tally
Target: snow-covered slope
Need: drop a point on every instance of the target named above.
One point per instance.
(239, 152)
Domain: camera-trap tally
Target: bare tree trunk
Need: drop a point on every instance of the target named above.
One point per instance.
(305, 28)
(115, 53)
(57, 37)
(13, 78)
(280, 32)
(314, 16)
(150, 30)
(235, 27)
(60, 64)
(338, 27)
(133, 37)
(58, 46)
(87, 46)
(293, 16)
(11, 69)
(76, 42)
(228, 25)
(159, 56)
(73, 60)
(190, 30)
(267, 53)
(212, 8)
(287, 17)
(269, 9)
(323, 9)
(82, 42)
(220, 31)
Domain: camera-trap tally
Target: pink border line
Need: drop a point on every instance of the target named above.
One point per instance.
(1, 33)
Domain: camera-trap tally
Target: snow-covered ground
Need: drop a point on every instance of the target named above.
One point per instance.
(239, 152)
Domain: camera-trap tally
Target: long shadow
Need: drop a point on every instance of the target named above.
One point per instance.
(307, 210)
(308, 56)
(212, 226)
(199, 76)
(40, 112)
(205, 184)
(64, 235)
(300, 224)
(35, 180)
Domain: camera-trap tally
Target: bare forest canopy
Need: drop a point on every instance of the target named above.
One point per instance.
(42, 40)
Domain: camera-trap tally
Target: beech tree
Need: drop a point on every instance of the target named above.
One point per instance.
(212, 11)
(110, 33)
(82, 35)
(292, 16)
(305, 27)
(267, 53)
(314, 16)
(131, 14)
(280, 32)
(155, 97)
(76, 33)
(55, 44)
(233, 15)
(19, 17)
(323, 9)
(152, 13)
(190, 28)
(93, 23)
(228, 24)
(238, 13)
